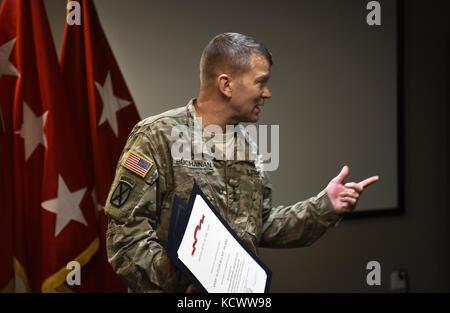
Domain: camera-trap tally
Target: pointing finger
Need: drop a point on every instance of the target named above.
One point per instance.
(368, 181)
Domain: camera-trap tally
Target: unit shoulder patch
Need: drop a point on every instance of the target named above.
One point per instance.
(122, 192)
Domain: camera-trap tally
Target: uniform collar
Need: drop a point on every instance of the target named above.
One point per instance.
(191, 114)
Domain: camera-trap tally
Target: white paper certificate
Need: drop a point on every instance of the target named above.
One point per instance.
(214, 256)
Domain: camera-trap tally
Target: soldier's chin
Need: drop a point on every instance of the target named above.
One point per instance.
(254, 118)
(251, 118)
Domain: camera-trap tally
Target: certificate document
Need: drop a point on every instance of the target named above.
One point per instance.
(212, 255)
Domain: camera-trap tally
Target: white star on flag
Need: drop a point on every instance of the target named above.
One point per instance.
(6, 67)
(111, 104)
(32, 130)
(66, 206)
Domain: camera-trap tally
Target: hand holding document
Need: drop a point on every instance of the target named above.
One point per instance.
(210, 253)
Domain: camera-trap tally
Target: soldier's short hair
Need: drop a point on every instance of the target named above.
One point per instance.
(229, 52)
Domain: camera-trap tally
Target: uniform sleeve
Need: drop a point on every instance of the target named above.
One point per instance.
(297, 225)
(134, 250)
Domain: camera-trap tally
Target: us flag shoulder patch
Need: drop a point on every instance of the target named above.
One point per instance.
(137, 164)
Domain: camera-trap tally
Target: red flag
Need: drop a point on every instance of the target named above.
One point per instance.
(8, 78)
(54, 210)
(95, 83)
(7, 196)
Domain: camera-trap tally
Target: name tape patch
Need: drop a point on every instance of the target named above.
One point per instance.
(137, 164)
(194, 164)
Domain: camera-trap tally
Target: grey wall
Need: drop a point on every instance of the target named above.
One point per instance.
(418, 240)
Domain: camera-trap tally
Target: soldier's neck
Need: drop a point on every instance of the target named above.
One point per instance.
(213, 112)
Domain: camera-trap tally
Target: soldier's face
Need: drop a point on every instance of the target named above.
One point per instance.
(250, 90)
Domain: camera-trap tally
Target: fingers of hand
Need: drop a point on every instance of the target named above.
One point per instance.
(357, 187)
(349, 200)
(368, 181)
(349, 192)
(346, 207)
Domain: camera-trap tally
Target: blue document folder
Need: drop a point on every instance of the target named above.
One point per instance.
(181, 212)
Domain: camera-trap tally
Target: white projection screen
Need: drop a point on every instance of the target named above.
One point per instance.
(335, 82)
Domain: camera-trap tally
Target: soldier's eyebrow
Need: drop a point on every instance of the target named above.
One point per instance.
(262, 78)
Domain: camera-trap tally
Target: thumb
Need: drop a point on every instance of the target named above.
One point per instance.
(342, 175)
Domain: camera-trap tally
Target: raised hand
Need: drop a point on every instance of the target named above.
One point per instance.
(345, 197)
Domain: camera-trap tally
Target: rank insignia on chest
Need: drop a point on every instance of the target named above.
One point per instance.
(122, 192)
(137, 164)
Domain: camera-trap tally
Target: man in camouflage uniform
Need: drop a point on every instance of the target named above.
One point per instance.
(234, 72)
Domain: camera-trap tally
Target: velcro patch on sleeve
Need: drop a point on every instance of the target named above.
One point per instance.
(122, 192)
(137, 164)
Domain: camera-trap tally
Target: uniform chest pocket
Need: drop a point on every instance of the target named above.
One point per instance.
(184, 179)
(246, 185)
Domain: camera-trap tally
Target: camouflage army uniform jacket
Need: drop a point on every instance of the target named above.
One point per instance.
(140, 202)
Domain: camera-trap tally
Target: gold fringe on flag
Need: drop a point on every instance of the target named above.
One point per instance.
(57, 279)
(9, 288)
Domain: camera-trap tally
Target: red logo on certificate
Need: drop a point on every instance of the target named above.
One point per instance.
(197, 228)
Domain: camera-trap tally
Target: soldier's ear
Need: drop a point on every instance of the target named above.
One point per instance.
(225, 84)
